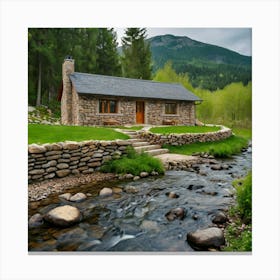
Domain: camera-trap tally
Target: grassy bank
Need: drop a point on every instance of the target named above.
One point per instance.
(57, 133)
(184, 129)
(133, 163)
(239, 233)
(243, 132)
(223, 148)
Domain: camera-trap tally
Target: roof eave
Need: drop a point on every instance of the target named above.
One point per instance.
(143, 97)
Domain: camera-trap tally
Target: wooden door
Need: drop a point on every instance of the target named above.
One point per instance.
(140, 111)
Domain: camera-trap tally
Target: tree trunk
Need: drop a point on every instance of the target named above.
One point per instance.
(39, 87)
(51, 94)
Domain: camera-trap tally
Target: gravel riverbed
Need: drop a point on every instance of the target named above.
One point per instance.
(41, 190)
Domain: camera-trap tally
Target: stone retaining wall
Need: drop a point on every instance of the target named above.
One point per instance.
(187, 138)
(62, 159)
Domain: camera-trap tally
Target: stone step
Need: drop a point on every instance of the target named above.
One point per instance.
(134, 137)
(135, 140)
(146, 148)
(157, 152)
(139, 144)
(128, 131)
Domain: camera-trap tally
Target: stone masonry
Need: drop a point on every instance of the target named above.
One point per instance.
(154, 112)
(186, 138)
(65, 158)
(66, 100)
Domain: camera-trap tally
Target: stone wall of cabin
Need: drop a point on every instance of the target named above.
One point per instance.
(155, 113)
(88, 112)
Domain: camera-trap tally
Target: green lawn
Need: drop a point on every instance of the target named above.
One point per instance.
(243, 132)
(223, 148)
(58, 133)
(184, 129)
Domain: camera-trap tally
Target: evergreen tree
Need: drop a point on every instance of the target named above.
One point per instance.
(41, 58)
(136, 60)
(107, 58)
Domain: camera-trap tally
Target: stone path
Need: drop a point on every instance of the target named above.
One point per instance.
(167, 158)
(142, 146)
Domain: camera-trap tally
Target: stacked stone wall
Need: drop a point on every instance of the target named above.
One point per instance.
(187, 138)
(65, 158)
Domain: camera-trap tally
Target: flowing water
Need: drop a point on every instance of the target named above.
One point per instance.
(134, 220)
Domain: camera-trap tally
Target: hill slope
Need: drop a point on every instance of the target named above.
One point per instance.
(208, 66)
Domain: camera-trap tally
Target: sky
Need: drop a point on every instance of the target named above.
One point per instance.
(236, 39)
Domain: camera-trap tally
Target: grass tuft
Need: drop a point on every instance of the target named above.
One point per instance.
(239, 233)
(244, 197)
(133, 163)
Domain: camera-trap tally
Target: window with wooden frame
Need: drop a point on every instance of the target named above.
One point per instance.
(107, 106)
(171, 108)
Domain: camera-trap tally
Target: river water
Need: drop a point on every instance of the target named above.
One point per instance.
(134, 220)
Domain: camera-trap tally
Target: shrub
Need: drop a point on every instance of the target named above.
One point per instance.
(239, 234)
(238, 238)
(244, 197)
(133, 163)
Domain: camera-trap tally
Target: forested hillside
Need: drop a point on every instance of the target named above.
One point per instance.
(208, 66)
(230, 106)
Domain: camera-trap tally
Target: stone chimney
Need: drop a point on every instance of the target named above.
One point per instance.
(66, 100)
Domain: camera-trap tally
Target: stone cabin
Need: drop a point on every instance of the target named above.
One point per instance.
(88, 99)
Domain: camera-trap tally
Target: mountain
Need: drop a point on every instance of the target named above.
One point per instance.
(208, 66)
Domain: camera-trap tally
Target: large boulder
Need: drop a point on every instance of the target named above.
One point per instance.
(217, 167)
(65, 196)
(35, 220)
(78, 197)
(205, 239)
(219, 218)
(63, 172)
(63, 216)
(106, 192)
(36, 149)
(176, 213)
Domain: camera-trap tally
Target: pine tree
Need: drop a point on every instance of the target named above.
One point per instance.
(40, 58)
(107, 58)
(136, 60)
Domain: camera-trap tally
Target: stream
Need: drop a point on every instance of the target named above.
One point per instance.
(134, 218)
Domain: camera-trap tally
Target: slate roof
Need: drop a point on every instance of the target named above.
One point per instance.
(116, 86)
